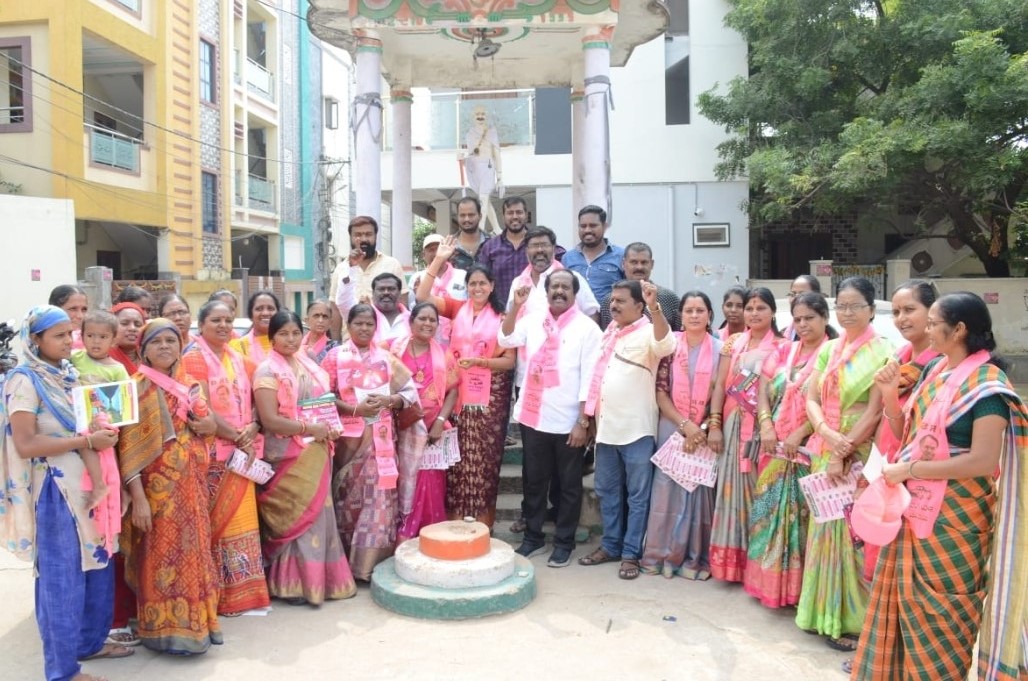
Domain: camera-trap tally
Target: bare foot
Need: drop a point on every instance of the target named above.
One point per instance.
(82, 676)
(94, 497)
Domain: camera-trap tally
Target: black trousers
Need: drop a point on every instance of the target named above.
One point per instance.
(548, 457)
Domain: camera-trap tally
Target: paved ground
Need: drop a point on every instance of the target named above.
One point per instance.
(584, 624)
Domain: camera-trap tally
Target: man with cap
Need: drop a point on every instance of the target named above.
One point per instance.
(451, 283)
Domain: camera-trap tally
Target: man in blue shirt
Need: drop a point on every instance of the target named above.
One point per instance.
(594, 257)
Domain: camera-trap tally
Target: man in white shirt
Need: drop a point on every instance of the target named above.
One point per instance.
(622, 397)
(393, 317)
(449, 283)
(362, 265)
(561, 345)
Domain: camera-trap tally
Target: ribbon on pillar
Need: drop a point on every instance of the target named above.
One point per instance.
(369, 100)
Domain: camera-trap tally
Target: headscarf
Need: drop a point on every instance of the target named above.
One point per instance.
(152, 329)
(52, 383)
(129, 306)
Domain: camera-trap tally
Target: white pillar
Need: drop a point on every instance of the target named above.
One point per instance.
(822, 269)
(596, 134)
(367, 126)
(403, 197)
(577, 145)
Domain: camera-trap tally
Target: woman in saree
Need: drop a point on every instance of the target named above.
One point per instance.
(163, 460)
(678, 528)
(778, 517)
(131, 318)
(174, 307)
(256, 344)
(732, 305)
(844, 407)
(746, 358)
(235, 533)
(370, 386)
(306, 563)
(935, 580)
(316, 343)
(50, 519)
(434, 371)
(483, 401)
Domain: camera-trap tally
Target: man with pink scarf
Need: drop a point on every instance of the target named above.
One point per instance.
(561, 346)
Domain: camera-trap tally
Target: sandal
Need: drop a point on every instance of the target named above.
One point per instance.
(123, 636)
(847, 666)
(629, 568)
(845, 643)
(110, 651)
(597, 557)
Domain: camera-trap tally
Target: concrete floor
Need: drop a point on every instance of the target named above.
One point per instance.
(584, 624)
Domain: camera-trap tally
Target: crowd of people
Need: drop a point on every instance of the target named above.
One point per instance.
(231, 489)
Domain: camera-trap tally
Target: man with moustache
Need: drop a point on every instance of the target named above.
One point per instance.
(362, 265)
(595, 258)
(638, 266)
(393, 317)
(622, 399)
(470, 238)
(561, 346)
(505, 253)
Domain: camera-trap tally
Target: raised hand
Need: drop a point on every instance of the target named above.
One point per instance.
(649, 292)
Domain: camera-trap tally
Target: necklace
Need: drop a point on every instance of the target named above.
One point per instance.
(419, 373)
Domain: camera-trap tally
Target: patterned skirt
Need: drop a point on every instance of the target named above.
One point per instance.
(729, 538)
(367, 517)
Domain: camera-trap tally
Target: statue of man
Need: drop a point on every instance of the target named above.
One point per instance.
(482, 166)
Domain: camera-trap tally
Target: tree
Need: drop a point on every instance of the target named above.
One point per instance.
(850, 102)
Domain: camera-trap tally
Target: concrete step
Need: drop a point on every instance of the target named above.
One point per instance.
(515, 454)
(510, 479)
(508, 508)
(501, 531)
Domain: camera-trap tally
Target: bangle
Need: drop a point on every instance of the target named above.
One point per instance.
(355, 405)
(134, 477)
(892, 418)
(303, 428)
(910, 471)
(654, 310)
(430, 273)
(681, 426)
(440, 419)
(89, 442)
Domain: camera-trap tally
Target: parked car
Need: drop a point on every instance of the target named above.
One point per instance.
(882, 321)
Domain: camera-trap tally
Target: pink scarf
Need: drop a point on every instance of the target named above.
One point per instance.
(107, 514)
(543, 370)
(317, 348)
(170, 386)
(441, 289)
(741, 345)
(842, 353)
(382, 323)
(400, 346)
(372, 371)
(257, 353)
(611, 336)
(474, 337)
(230, 400)
(927, 495)
(793, 409)
(691, 398)
(888, 444)
(288, 384)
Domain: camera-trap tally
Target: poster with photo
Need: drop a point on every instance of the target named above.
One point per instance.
(118, 401)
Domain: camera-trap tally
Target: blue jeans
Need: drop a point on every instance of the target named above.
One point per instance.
(74, 608)
(619, 467)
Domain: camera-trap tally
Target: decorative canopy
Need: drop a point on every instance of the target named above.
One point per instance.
(519, 43)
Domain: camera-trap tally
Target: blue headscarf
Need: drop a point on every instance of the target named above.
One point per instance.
(52, 384)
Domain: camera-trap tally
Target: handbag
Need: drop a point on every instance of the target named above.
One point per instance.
(408, 416)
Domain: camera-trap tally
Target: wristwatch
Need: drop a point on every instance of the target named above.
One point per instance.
(584, 421)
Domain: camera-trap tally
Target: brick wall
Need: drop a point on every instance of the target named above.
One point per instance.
(842, 227)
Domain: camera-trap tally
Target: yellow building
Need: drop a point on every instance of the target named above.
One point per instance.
(101, 102)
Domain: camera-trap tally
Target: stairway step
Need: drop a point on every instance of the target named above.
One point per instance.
(510, 479)
(515, 454)
(501, 531)
(508, 508)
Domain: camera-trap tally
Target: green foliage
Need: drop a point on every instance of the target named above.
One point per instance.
(422, 228)
(853, 102)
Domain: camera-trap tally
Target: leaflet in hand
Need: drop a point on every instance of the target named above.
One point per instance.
(688, 469)
(802, 455)
(743, 388)
(827, 498)
(443, 454)
(321, 410)
(364, 393)
(118, 401)
(258, 471)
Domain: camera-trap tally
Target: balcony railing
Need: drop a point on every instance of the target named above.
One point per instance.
(110, 148)
(260, 80)
(261, 193)
(131, 5)
(12, 114)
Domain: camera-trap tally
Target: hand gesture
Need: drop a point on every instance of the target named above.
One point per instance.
(649, 291)
(318, 431)
(356, 256)
(520, 296)
(888, 378)
(367, 406)
(446, 249)
(203, 426)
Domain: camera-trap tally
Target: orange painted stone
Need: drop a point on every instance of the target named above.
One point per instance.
(454, 540)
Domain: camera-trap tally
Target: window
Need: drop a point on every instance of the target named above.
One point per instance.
(208, 72)
(209, 184)
(15, 85)
(331, 113)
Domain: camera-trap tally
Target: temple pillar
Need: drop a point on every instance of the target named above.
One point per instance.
(367, 126)
(403, 196)
(596, 105)
(577, 144)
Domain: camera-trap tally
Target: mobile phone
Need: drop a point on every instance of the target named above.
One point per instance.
(368, 250)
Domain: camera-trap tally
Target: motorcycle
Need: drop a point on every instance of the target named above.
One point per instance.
(8, 358)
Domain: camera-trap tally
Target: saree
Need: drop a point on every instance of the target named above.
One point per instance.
(834, 594)
(678, 528)
(929, 595)
(235, 529)
(423, 492)
(301, 540)
(367, 516)
(170, 568)
(779, 517)
(736, 474)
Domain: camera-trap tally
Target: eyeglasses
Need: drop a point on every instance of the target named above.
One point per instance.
(847, 309)
(176, 313)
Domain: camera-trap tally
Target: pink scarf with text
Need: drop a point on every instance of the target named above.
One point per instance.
(474, 337)
(288, 395)
(543, 370)
(793, 407)
(231, 400)
(767, 347)
(691, 397)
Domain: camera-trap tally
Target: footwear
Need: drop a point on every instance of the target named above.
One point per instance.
(847, 666)
(518, 526)
(297, 600)
(110, 651)
(597, 557)
(528, 550)
(561, 557)
(123, 636)
(629, 569)
(845, 643)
